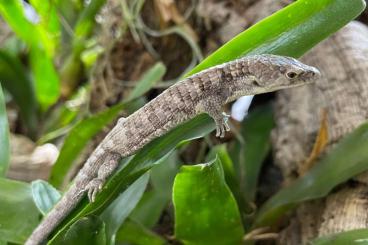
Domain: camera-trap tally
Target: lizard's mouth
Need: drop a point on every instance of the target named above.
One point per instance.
(294, 85)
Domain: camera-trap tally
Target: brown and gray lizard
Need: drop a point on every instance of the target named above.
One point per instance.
(204, 92)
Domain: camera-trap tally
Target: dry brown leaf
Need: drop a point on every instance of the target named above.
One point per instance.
(170, 12)
(319, 145)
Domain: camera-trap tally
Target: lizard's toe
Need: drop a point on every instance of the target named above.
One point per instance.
(226, 121)
(222, 131)
(227, 127)
(218, 131)
(221, 128)
(93, 188)
(222, 125)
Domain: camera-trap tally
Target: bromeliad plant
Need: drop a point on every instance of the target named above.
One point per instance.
(209, 199)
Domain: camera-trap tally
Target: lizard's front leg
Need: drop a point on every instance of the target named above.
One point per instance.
(213, 107)
(106, 169)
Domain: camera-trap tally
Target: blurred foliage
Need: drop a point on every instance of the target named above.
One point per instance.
(315, 183)
(18, 213)
(4, 137)
(44, 195)
(45, 71)
(359, 236)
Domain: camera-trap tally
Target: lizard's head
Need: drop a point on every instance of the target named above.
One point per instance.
(272, 72)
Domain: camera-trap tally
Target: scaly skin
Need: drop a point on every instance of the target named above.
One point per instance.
(205, 92)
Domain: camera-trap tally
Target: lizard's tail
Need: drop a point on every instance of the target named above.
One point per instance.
(70, 199)
(55, 216)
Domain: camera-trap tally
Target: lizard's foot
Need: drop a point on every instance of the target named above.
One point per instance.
(222, 125)
(93, 188)
(105, 170)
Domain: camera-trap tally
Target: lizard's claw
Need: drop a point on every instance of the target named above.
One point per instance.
(93, 188)
(222, 126)
(226, 121)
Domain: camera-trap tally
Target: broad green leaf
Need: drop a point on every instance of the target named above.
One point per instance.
(115, 215)
(4, 137)
(149, 78)
(47, 84)
(205, 210)
(358, 237)
(13, 78)
(291, 31)
(89, 230)
(347, 159)
(153, 202)
(231, 177)
(256, 133)
(76, 141)
(18, 214)
(44, 195)
(134, 233)
(138, 165)
(227, 164)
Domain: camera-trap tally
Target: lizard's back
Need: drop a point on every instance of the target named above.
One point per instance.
(175, 105)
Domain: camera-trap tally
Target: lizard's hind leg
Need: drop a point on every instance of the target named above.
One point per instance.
(106, 169)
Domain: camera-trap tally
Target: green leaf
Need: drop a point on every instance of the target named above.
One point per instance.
(227, 164)
(134, 233)
(13, 14)
(256, 133)
(49, 20)
(115, 215)
(138, 165)
(153, 202)
(63, 117)
(35, 35)
(44, 195)
(205, 210)
(14, 80)
(358, 237)
(71, 70)
(347, 159)
(149, 78)
(90, 55)
(88, 230)
(18, 214)
(291, 31)
(4, 136)
(86, 20)
(42, 49)
(47, 84)
(76, 140)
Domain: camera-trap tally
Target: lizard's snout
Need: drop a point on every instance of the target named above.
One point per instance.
(313, 73)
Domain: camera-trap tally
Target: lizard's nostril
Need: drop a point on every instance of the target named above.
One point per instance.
(315, 73)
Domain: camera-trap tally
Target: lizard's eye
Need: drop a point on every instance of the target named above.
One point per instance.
(291, 74)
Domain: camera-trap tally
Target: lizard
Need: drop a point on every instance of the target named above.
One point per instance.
(205, 92)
